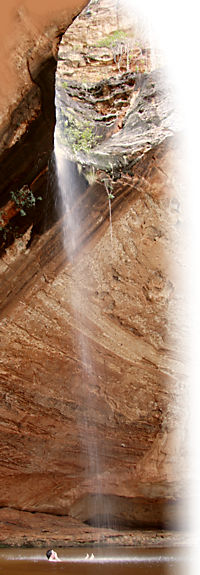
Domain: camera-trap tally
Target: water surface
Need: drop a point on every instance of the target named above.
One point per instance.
(106, 562)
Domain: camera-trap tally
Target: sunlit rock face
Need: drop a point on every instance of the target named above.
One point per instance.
(124, 400)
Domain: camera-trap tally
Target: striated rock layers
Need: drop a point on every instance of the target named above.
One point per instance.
(93, 439)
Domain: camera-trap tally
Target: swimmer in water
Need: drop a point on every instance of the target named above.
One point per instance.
(52, 555)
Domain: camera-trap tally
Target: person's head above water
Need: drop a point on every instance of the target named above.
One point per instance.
(52, 555)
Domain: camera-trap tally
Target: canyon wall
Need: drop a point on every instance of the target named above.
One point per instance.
(129, 300)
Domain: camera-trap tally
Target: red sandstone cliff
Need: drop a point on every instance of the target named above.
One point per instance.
(130, 309)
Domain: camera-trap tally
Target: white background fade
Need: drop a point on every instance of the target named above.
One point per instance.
(175, 30)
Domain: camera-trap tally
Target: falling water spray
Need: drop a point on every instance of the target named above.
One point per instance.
(71, 186)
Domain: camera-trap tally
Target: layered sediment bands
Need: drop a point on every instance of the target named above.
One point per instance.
(110, 151)
(129, 300)
(40, 529)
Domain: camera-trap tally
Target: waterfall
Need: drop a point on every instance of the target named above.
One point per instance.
(68, 189)
(71, 187)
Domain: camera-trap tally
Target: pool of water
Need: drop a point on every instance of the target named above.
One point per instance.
(105, 562)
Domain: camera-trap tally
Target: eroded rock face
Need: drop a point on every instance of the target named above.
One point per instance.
(132, 401)
(28, 58)
(93, 372)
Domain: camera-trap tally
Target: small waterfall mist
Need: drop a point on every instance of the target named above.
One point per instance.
(70, 185)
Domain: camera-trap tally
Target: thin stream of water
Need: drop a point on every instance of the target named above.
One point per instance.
(70, 194)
